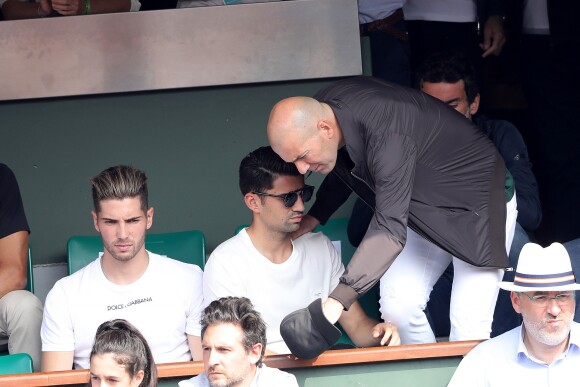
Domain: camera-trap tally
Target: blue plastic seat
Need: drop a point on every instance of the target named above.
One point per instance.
(185, 246)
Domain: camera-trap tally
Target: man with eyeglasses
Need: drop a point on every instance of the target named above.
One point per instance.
(276, 273)
(545, 349)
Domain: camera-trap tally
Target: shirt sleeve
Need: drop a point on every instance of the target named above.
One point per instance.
(57, 331)
(12, 217)
(220, 279)
(193, 325)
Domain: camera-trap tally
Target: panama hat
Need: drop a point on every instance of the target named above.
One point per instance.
(542, 269)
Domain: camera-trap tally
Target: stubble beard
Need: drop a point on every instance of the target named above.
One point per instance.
(539, 331)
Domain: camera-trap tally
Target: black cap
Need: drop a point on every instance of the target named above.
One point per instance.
(307, 332)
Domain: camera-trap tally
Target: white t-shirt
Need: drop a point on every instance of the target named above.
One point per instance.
(165, 304)
(371, 10)
(265, 377)
(236, 268)
(457, 11)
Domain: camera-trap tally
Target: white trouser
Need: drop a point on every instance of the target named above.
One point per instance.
(407, 284)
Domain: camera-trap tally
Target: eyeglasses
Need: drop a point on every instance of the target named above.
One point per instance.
(543, 300)
(289, 198)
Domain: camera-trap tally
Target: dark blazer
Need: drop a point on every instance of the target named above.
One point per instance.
(417, 163)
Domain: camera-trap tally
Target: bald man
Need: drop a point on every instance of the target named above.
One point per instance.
(435, 184)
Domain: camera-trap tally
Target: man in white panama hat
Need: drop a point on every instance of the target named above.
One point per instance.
(545, 349)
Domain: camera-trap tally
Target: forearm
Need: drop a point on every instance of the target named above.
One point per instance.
(359, 327)
(331, 194)
(371, 260)
(13, 262)
(57, 361)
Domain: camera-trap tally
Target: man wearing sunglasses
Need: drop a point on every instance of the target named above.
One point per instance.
(276, 273)
(545, 349)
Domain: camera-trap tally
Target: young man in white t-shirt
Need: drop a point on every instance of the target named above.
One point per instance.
(278, 274)
(160, 296)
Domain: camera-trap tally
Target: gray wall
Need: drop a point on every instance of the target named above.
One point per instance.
(189, 142)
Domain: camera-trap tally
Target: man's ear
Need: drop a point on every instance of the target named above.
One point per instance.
(516, 302)
(474, 106)
(95, 220)
(253, 202)
(325, 128)
(255, 353)
(149, 214)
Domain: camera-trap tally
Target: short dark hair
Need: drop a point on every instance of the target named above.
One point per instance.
(260, 168)
(449, 67)
(129, 348)
(237, 311)
(120, 182)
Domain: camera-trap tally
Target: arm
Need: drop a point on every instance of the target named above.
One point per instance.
(493, 36)
(392, 164)
(56, 332)
(366, 332)
(57, 361)
(195, 347)
(16, 9)
(13, 234)
(79, 7)
(331, 194)
(490, 15)
(13, 262)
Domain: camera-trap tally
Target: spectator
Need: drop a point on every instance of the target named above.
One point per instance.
(435, 26)
(383, 22)
(121, 357)
(264, 256)
(20, 310)
(545, 349)
(126, 281)
(234, 344)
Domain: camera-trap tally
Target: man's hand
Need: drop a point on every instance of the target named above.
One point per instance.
(68, 7)
(332, 309)
(307, 224)
(388, 332)
(44, 8)
(493, 36)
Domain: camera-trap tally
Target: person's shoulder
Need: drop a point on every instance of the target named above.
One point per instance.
(275, 377)
(501, 345)
(231, 243)
(228, 249)
(172, 264)
(197, 381)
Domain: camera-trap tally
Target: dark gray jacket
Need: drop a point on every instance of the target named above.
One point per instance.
(417, 163)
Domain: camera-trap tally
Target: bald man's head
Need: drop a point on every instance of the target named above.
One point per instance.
(294, 118)
(300, 128)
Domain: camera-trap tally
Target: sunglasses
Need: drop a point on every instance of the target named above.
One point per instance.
(290, 198)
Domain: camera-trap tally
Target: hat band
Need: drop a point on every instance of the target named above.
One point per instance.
(543, 280)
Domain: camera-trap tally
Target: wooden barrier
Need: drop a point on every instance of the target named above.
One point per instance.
(345, 357)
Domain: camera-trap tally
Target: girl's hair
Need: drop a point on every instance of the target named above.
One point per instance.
(128, 347)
